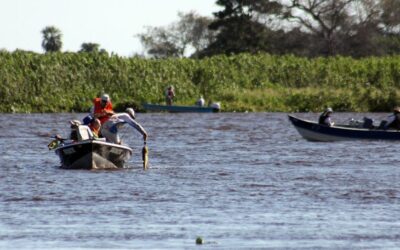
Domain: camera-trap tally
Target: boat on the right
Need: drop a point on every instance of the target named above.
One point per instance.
(313, 131)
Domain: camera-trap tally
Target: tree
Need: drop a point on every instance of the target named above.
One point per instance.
(240, 28)
(311, 28)
(90, 47)
(51, 39)
(189, 33)
(161, 42)
(328, 20)
(195, 30)
(390, 16)
(348, 27)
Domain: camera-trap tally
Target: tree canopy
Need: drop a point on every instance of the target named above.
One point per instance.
(51, 39)
(90, 47)
(189, 33)
(310, 28)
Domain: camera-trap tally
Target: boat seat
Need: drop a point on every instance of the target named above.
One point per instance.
(84, 133)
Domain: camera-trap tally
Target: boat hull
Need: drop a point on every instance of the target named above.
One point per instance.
(92, 154)
(178, 109)
(313, 131)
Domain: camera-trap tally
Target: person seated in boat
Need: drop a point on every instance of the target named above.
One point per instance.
(102, 108)
(110, 128)
(169, 95)
(325, 118)
(94, 125)
(200, 102)
(393, 121)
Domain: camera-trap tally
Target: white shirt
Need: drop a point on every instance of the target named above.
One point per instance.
(118, 120)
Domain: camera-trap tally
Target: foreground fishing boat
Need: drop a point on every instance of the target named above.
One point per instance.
(180, 109)
(313, 131)
(83, 151)
(92, 154)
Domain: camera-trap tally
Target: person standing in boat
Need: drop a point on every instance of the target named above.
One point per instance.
(110, 128)
(102, 108)
(325, 118)
(169, 95)
(393, 121)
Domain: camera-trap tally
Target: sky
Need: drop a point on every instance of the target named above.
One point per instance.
(111, 23)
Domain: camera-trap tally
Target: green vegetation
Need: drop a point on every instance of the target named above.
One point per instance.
(64, 82)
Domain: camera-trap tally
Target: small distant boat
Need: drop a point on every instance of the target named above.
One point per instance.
(313, 131)
(179, 109)
(92, 154)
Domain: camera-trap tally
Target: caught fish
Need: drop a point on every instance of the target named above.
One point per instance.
(145, 156)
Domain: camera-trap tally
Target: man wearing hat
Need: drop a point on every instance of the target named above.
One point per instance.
(393, 121)
(102, 108)
(110, 128)
(325, 118)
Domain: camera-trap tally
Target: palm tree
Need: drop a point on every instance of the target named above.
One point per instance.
(51, 39)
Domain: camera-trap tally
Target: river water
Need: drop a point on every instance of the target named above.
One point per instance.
(238, 180)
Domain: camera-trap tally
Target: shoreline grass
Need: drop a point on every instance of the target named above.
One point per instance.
(67, 82)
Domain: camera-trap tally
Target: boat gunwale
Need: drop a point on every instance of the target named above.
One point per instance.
(93, 141)
(179, 108)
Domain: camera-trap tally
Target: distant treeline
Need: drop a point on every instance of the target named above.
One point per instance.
(356, 28)
(66, 82)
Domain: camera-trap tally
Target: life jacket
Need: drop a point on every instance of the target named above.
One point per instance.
(98, 110)
(95, 131)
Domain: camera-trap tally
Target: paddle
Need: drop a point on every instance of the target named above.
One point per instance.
(145, 155)
(56, 142)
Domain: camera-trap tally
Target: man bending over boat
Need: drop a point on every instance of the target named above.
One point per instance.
(325, 118)
(110, 128)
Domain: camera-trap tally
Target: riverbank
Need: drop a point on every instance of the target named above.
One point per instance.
(66, 82)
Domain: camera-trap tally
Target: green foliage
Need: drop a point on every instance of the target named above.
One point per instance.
(90, 48)
(238, 29)
(65, 82)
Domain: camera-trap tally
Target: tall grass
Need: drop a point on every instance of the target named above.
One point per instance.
(64, 82)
